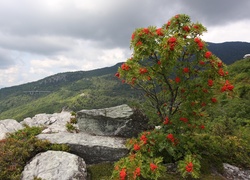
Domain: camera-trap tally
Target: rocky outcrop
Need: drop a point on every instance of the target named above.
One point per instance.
(101, 137)
(55, 165)
(9, 126)
(235, 173)
(93, 149)
(53, 123)
(119, 121)
(115, 121)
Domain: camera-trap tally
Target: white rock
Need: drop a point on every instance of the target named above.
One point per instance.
(157, 127)
(9, 126)
(235, 173)
(53, 123)
(55, 165)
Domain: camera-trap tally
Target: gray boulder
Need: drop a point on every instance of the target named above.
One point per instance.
(93, 149)
(9, 126)
(235, 173)
(115, 121)
(54, 165)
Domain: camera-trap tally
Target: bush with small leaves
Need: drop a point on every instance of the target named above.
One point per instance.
(71, 128)
(180, 79)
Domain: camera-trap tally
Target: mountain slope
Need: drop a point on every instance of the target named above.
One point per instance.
(75, 90)
(54, 82)
(86, 93)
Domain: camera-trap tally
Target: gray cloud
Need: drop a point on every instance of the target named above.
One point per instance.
(110, 22)
(214, 12)
(43, 45)
(6, 59)
(86, 31)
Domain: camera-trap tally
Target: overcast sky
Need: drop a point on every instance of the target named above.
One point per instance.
(39, 38)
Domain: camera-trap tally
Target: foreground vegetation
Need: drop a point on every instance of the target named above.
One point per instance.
(103, 171)
(18, 148)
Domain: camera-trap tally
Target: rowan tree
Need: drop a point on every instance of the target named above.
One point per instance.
(180, 78)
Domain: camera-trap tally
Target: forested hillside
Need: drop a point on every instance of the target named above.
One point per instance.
(232, 115)
(75, 90)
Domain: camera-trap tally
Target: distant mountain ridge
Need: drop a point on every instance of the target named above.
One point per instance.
(56, 81)
(229, 52)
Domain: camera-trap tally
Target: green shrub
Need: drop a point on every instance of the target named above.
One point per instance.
(73, 120)
(73, 113)
(101, 171)
(70, 127)
(225, 149)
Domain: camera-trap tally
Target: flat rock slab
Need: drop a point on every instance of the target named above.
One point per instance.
(9, 126)
(120, 121)
(93, 149)
(120, 112)
(54, 165)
